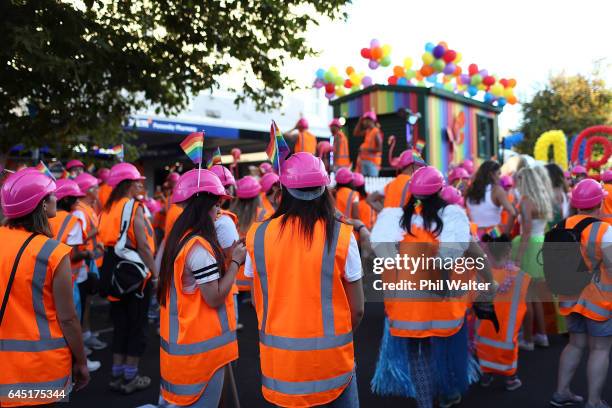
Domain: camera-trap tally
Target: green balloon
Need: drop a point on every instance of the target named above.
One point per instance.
(328, 76)
(448, 87)
(438, 65)
(410, 74)
(338, 80)
(476, 79)
(386, 61)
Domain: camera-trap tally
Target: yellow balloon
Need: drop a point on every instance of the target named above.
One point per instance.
(355, 78)
(386, 49)
(407, 63)
(508, 92)
(427, 58)
(497, 90)
(481, 87)
(334, 70)
(458, 58)
(339, 91)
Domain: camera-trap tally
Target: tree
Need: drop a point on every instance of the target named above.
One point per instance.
(72, 73)
(568, 103)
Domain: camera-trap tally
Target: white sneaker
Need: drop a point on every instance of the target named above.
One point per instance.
(541, 340)
(93, 365)
(95, 343)
(527, 346)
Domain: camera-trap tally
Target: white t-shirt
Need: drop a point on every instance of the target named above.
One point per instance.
(352, 270)
(74, 238)
(200, 267)
(227, 233)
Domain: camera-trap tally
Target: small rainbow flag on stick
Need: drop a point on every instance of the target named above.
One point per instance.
(65, 174)
(44, 170)
(277, 149)
(193, 146)
(118, 151)
(214, 159)
(420, 145)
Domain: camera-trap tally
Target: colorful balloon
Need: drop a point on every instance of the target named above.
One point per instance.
(373, 64)
(449, 68)
(438, 51)
(366, 81)
(449, 56)
(407, 63)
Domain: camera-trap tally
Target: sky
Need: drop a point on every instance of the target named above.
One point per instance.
(526, 40)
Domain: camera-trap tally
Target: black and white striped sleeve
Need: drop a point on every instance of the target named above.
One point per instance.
(202, 265)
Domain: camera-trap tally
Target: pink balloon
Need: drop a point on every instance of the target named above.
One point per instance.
(366, 81)
(373, 64)
(374, 43)
(318, 83)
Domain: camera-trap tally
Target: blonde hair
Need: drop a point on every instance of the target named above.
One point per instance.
(546, 182)
(531, 184)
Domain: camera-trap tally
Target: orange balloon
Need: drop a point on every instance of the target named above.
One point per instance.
(376, 53)
(457, 71)
(512, 82)
(427, 70)
(512, 100)
(444, 44)
(398, 71)
(349, 70)
(418, 76)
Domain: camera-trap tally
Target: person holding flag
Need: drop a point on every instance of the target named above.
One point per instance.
(303, 139)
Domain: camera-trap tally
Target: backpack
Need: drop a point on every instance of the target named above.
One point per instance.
(565, 271)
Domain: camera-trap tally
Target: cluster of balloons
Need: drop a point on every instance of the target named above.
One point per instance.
(377, 54)
(404, 74)
(496, 91)
(440, 59)
(336, 85)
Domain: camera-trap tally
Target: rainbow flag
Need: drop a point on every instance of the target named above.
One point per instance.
(193, 146)
(44, 170)
(118, 151)
(277, 149)
(65, 174)
(214, 159)
(420, 145)
(496, 232)
(91, 168)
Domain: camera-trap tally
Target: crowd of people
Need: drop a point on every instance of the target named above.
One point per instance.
(296, 248)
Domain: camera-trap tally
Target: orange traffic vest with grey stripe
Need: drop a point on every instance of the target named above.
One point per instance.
(344, 200)
(498, 351)
(341, 150)
(110, 226)
(370, 143)
(243, 282)
(434, 315)
(397, 192)
(61, 225)
(305, 332)
(367, 215)
(195, 339)
(33, 350)
(595, 301)
(606, 207)
(92, 222)
(306, 142)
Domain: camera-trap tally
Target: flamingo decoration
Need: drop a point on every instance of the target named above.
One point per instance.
(236, 152)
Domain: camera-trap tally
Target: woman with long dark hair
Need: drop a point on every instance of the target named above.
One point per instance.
(307, 292)
(485, 199)
(197, 310)
(129, 312)
(560, 190)
(40, 335)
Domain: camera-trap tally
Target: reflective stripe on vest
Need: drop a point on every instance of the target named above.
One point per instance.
(62, 229)
(55, 385)
(497, 366)
(306, 387)
(404, 194)
(427, 325)
(348, 211)
(38, 283)
(182, 389)
(330, 339)
(244, 283)
(587, 305)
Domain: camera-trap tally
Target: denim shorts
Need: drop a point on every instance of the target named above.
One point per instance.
(369, 169)
(577, 323)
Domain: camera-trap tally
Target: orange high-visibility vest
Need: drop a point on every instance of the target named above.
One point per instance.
(370, 143)
(595, 301)
(195, 339)
(110, 226)
(397, 192)
(305, 332)
(341, 150)
(61, 225)
(367, 215)
(306, 142)
(243, 282)
(104, 192)
(174, 212)
(345, 197)
(606, 207)
(267, 205)
(92, 222)
(441, 317)
(33, 350)
(498, 351)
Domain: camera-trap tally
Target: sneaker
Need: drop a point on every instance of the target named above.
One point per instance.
(541, 340)
(527, 346)
(601, 404)
(513, 383)
(562, 400)
(93, 365)
(239, 326)
(135, 384)
(95, 343)
(447, 402)
(88, 351)
(116, 383)
(486, 380)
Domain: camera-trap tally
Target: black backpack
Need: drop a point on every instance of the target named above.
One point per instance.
(564, 267)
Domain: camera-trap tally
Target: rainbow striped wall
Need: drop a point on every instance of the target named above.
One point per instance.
(440, 114)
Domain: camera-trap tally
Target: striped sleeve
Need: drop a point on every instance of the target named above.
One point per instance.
(202, 265)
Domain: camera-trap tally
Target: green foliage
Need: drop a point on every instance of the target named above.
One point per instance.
(71, 72)
(568, 103)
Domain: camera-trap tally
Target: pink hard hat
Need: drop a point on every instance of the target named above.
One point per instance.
(567, 174)
(587, 194)
(468, 165)
(409, 157)
(426, 181)
(302, 123)
(248, 187)
(268, 180)
(103, 174)
(335, 122)
(606, 176)
(344, 176)
(303, 170)
(458, 173)
(187, 185)
(173, 176)
(506, 182)
(123, 171)
(154, 206)
(265, 167)
(23, 191)
(451, 195)
(358, 180)
(85, 181)
(67, 188)
(369, 115)
(324, 147)
(74, 163)
(579, 170)
(226, 176)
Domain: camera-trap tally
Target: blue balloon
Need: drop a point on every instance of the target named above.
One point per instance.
(402, 81)
(501, 102)
(433, 78)
(320, 73)
(488, 98)
(439, 85)
(438, 51)
(429, 47)
(472, 90)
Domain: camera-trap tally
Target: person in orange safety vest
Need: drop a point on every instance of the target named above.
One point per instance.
(307, 293)
(197, 322)
(341, 147)
(367, 214)
(270, 193)
(41, 347)
(588, 315)
(347, 199)
(606, 208)
(370, 151)
(303, 140)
